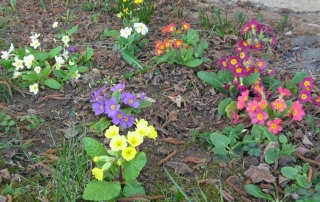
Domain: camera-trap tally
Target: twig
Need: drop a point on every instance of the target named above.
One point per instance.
(306, 159)
(173, 141)
(162, 161)
(192, 160)
(310, 174)
(141, 197)
(53, 96)
(234, 187)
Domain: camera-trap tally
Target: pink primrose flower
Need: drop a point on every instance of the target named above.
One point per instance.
(263, 104)
(274, 126)
(316, 101)
(252, 106)
(259, 117)
(235, 117)
(284, 91)
(242, 99)
(278, 104)
(297, 111)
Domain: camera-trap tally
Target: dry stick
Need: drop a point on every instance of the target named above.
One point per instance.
(167, 158)
(234, 187)
(306, 159)
(310, 174)
(269, 186)
(192, 160)
(142, 197)
(173, 141)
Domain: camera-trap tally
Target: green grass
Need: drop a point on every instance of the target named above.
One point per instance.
(72, 171)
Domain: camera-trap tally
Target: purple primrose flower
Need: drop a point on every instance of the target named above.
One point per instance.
(130, 99)
(111, 107)
(98, 107)
(118, 87)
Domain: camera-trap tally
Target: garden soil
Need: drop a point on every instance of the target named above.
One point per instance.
(182, 103)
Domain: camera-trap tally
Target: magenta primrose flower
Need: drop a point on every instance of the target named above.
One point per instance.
(307, 83)
(239, 71)
(233, 61)
(222, 63)
(259, 116)
(316, 101)
(274, 126)
(262, 64)
(304, 96)
(251, 26)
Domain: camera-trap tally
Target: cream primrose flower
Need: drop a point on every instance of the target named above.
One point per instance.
(126, 32)
(134, 138)
(16, 74)
(118, 142)
(55, 25)
(71, 63)
(28, 61)
(119, 15)
(35, 43)
(75, 75)
(112, 131)
(129, 153)
(37, 69)
(59, 61)
(65, 39)
(34, 88)
(18, 63)
(141, 123)
(144, 131)
(141, 28)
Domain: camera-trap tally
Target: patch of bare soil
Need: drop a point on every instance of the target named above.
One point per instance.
(183, 103)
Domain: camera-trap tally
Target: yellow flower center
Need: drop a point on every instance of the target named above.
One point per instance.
(233, 61)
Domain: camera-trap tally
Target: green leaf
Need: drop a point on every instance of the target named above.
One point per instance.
(255, 191)
(52, 84)
(271, 137)
(59, 73)
(249, 80)
(110, 33)
(218, 139)
(131, 59)
(212, 79)
(54, 52)
(82, 69)
(283, 139)
(289, 172)
(93, 147)
(87, 55)
(220, 150)
(133, 168)
(298, 78)
(72, 30)
(101, 190)
(194, 63)
(222, 106)
(101, 125)
(271, 156)
(230, 107)
(270, 82)
(256, 132)
(133, 188)
(40, 56)
(145, 103)
(225, 76)
(192, 36)
(303, 181)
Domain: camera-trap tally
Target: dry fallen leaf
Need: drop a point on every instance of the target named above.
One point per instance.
(259, 173)
(179, 167)
(177, 100)
(4, 175)
(306, 141)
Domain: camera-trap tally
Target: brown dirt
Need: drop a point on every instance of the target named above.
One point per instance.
(199, 101)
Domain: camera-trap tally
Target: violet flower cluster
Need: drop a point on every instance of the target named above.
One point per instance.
(113, 105)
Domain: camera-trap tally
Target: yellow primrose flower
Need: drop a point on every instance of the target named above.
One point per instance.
(129, 153)
(153, 133)
(141, 123)
(126, 10)
(97, 173)
(112, 131)
(96, 159)
(134, 138)
(144, 131)
(119, 15)
(118, 142)
(138, 1)
(119, 162)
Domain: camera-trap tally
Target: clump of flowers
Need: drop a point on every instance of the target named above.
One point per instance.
(31, 67)
(180, 46)
(117, 104)
(119, 164)
(306, 91)
(266, 112)
(129, 9)
(244, 62)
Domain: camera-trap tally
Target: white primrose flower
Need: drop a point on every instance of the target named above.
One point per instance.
(126, 32)
(11, 48)
(55, 25)
(18, 63)
(65, 54)
(65, 39)
(37, 69)
(28, 61)
(71, 63)
(75, 75)
(34, 88)
(35, 43)
(59, 60)
(34, 36)
(16, 74)
(141, 28)
(5, 55)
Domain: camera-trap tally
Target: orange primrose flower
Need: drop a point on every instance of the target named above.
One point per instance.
(178, 43)
(185, 26)
(171, 28)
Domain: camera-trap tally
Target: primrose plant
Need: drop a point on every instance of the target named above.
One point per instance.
(245, 69)
(116, 105)
(118, 166)
(129, 40)
(35, 68)
(180, 46)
